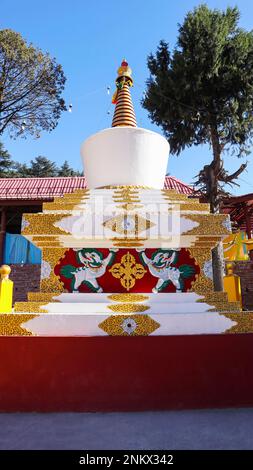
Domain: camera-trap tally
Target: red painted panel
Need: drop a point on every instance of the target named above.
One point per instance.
(109, 283)
(119, 373)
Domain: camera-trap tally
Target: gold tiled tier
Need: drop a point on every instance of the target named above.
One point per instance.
(244, 322)
(12, 325)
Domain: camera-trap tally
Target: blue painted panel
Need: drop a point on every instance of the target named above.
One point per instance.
(18, 250)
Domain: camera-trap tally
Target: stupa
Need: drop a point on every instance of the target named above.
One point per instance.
(125, 257)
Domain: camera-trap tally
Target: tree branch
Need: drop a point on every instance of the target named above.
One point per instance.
(229, 178)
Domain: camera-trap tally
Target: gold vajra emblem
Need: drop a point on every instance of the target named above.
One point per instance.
(127, 271)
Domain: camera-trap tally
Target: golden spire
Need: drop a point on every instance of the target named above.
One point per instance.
(124, 114)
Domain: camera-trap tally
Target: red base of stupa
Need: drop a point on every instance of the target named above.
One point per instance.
(125, 373)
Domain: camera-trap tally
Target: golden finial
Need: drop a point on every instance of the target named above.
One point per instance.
(124, 71)
(124, 112)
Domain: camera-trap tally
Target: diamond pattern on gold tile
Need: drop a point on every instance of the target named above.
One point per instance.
(123, 325)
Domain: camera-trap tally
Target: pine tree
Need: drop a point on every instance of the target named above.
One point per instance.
(42, 167)
(66, 170)
(6, 162)
(202, 92)
(21, 170)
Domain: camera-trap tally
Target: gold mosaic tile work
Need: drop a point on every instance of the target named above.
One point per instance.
(35, 307)
(189, 206)
(76, 195)
(41, 238)
(185, 202)
(56, 206)
(67, 201)
(212, 296)
(55, 244)
(207, 242)
(11, 324)
(128, 242)
(172, 195)
(53, 257)
(202, 284)
(218, 301)
(209, 224)
(128, 297)
(244, 322)
(122, 325)
(69, 198)
(225, 307)
(208, 239)
(43, 297)
(128, 308)
(43, 224)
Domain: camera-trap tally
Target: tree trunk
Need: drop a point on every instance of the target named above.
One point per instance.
(215, 167)
(218, 267)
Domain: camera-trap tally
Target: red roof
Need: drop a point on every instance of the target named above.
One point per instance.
(39, 188)
(173, 183)
(240, 208)
(44, 188)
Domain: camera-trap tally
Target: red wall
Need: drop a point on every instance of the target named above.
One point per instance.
(125, 373)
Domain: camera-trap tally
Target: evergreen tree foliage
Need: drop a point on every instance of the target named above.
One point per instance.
(66, 170)
(42, 167)
(21, 170)
(6, 162)
(202, 92)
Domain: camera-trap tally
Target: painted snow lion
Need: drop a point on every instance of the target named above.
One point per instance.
(161, 265)
(93, 266)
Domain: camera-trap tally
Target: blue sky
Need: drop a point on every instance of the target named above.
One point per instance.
(90, 38)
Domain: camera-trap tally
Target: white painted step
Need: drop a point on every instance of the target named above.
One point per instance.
(185, 297)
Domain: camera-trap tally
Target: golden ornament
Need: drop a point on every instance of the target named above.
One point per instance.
(127, 271)
(128, 308)
(122, 325)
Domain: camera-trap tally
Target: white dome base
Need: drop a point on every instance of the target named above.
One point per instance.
(125, 156)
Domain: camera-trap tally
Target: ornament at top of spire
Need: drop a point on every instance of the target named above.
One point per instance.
(124, 71)
(124, 77)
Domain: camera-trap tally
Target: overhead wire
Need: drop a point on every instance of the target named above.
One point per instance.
(168, 98)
